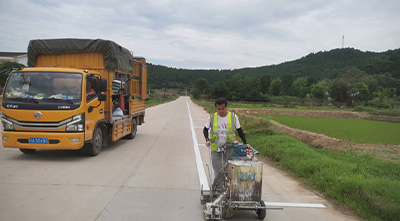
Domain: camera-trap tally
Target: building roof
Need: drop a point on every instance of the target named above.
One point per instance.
(11, 54)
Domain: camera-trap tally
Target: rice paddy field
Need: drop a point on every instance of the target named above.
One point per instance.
(358, 131)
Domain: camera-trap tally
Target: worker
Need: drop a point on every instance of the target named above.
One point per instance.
(89, 90)
(222, 124)
(116, 110)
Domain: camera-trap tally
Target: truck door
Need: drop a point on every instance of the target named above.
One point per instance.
(94, 111)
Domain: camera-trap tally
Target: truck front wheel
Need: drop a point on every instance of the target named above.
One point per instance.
(94, 148)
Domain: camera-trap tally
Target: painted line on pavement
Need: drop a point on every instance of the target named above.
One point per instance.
(302, 205)
(199, 161)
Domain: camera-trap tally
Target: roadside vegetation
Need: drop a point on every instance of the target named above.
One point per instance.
(161, 96)
(366, 184)
(360, 181)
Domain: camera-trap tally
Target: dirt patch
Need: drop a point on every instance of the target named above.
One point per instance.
(384, 151)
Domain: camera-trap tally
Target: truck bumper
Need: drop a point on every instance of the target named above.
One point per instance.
(56, 141)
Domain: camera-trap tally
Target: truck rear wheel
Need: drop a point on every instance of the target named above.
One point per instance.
(27, 151)
(133, 129)
(94, 148)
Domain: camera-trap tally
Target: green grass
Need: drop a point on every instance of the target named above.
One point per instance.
(358, 131)
(366, 184)
(153, 101)
(207, 105)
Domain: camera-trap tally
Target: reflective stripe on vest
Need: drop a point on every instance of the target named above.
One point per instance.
(230, 129)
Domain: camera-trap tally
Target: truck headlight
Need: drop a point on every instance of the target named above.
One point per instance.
(77, 123)
(7, 125)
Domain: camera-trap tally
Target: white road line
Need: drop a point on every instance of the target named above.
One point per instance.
(199, 161)
(302, 205)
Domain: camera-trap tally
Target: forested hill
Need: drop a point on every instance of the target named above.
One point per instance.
(328, 64)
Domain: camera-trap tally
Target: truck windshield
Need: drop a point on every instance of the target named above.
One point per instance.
(44, 86)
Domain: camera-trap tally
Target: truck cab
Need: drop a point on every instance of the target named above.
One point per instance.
(66, 101)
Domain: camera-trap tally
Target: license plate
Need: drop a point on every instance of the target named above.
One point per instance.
(38, 140)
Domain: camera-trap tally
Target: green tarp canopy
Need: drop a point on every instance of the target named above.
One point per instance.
(115, 56)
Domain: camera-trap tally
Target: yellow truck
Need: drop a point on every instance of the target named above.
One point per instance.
(76, 93)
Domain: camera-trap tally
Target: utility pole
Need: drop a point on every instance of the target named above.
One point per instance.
(342, 41)
(165, 89)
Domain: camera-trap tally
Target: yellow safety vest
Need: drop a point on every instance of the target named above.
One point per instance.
(230, 129)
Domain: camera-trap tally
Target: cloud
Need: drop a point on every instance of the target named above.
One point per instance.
(207, 34)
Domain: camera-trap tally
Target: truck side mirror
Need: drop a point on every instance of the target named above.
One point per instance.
(103, 85)
(102, 97)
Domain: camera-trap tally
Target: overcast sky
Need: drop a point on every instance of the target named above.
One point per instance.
(207, 34)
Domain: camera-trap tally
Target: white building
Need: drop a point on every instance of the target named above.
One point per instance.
(20, 57)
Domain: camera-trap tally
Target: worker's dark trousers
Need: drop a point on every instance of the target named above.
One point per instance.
(217, 165)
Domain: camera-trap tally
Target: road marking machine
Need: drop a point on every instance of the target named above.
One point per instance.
(242, 186)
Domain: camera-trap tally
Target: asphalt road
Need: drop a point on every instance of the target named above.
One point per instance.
(153, 177)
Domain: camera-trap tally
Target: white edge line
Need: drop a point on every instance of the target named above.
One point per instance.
(303, 205)
(199, 161)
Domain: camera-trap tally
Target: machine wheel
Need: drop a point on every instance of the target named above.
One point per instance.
(133, 129)
(227, 212)
(261, 213)
(27, 151)
(94, 148)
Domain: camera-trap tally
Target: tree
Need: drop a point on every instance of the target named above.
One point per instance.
(6, 67)
(219, 89)
(195, 93)
(201, 86)
(265, 83)
(251, 89)
(342, 85)
(276, 87)
(235, 85)
(321, 89)
(287, 81)
(318, 90)
(360, 92)
(300, 87)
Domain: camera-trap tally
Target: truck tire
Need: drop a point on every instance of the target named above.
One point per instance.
(94, 148)
(27, 151)
(133, 129)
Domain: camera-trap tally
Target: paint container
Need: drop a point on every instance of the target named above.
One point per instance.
(245, 179)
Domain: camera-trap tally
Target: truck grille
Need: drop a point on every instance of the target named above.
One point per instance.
(41, 125)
